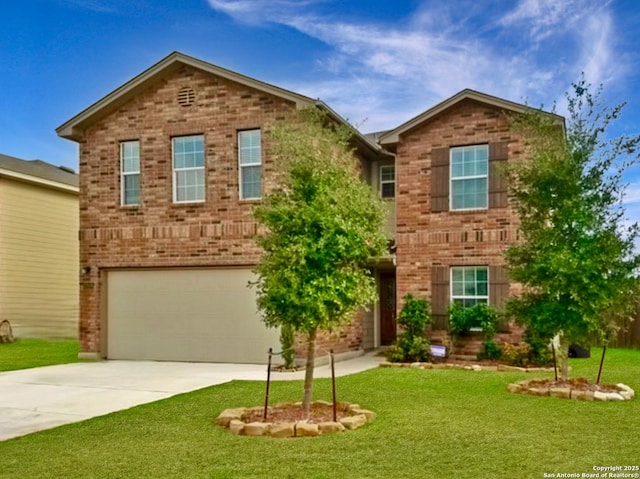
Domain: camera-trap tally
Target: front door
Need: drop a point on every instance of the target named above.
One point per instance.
(387, 308)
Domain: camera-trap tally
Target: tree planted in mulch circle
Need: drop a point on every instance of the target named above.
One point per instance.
(322, 225)
(576, 259)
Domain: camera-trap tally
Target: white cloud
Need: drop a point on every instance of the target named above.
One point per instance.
(407, 66)
(543, 18)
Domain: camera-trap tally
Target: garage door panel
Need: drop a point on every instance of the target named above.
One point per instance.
(186, 315)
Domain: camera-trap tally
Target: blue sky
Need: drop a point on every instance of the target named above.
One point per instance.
(376, 62)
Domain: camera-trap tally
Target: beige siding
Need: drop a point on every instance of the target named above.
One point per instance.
(38, 260)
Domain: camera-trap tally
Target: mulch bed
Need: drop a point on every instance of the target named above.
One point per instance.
(294, 413)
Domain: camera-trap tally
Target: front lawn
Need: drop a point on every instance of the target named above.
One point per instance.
(33, 353)
(431, 424)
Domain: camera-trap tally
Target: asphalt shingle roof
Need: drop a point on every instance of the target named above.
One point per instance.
(39, 169)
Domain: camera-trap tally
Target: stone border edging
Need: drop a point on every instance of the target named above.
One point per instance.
(624, 393)
(467, 367)
(232, 419)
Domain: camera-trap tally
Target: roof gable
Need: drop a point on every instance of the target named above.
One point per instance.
(73, 129)
(38, 172)
(393, 136)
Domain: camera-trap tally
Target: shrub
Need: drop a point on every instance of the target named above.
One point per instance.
(287, 337)
(462, 319)
(540, 353)
(490, 350)
(411, 344)
(394, 354)
(415, 315)
(516, 354)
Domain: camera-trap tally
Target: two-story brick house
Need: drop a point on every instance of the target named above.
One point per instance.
(171, 164)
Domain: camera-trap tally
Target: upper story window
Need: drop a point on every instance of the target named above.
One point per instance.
(188, 169)
(388, 181)
(250, 164)
(470, 285)
(130, 173)
(469, 177)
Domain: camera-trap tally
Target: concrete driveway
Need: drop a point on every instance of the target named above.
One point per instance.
(41, 398)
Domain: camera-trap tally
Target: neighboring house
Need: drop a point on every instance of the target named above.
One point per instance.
(171, 164)
(38, 248)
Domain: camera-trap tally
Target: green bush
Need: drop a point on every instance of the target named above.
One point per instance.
(481, 315)
(287, 339)
(394, 354)
(411, 344)
(490, 350)
(540, 353)
(516, 354)
(415, 315)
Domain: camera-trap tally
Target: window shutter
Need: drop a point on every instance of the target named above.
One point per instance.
(498, 285)
(439, 296)
(498, 187)
(439, 179)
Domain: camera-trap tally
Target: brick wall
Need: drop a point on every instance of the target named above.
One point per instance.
(158, 233)
(426, 239)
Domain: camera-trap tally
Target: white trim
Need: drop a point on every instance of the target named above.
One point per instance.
(478, 297)
(464, 178)
(241, 166)
(38, 181)
(386, 182)
(191, 168)
(124, 174)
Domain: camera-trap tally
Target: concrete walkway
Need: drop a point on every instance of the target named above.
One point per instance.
(41, 398)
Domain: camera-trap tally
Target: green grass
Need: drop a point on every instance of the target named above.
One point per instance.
(431, 424)
(33, 353)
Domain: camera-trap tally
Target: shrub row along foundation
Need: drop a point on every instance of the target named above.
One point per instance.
(537, 387)
(236, 421)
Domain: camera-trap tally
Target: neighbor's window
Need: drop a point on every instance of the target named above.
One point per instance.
(387, 181)
(469, 177)
(470, 285)
(130, 173)
(250, 164)
(188, 169)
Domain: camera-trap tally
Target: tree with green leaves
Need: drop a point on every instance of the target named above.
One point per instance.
(322, 225)
(575, 258)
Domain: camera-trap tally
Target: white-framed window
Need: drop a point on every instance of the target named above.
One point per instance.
(469, 285)
(250, 164)
(188, 169)
(130, 173)
(469, 177)
(387, 181)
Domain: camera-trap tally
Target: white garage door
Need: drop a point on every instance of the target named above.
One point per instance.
(186, 315)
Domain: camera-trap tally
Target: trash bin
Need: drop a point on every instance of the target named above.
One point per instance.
(578, 351)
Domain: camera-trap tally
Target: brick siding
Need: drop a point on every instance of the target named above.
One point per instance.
(468, 238)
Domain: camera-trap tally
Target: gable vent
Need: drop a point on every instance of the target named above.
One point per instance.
(186, 96)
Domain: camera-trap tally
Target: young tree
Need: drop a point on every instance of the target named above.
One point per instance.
(575, 259)
(323, 223)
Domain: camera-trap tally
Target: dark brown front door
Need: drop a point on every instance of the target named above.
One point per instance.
(387, 308)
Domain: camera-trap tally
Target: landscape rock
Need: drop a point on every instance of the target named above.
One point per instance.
(236, 427)
(305, 429)
(285, 429)
(6, 333)
(228, 415)
(330, 427)
(256, 428)
(370, 415)
(354, 422)
(560, 392)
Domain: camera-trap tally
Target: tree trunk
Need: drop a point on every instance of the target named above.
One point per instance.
(563, 353)
(308, 372)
